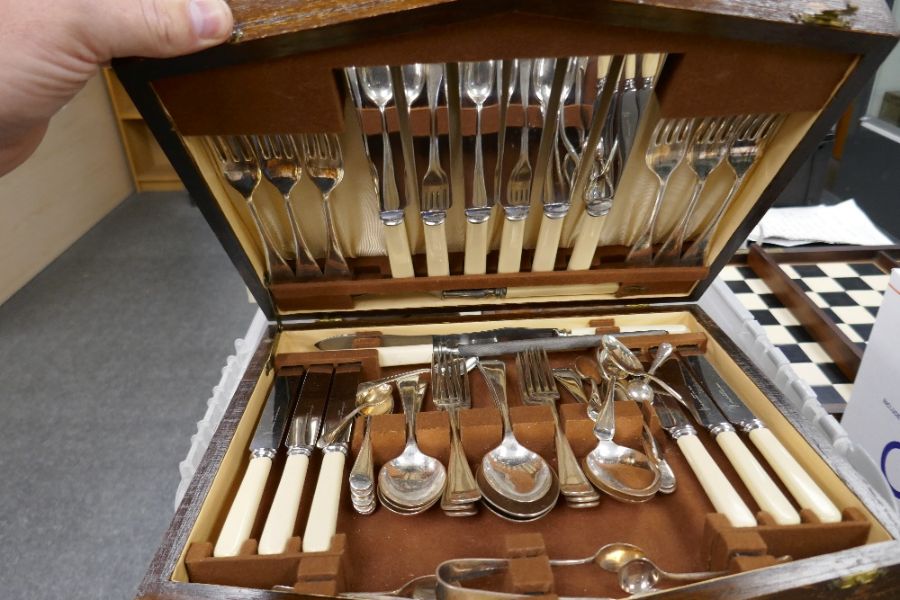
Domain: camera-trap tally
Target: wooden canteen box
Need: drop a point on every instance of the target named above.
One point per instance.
(284, 73)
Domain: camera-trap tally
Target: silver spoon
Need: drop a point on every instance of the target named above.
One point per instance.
(608, 460)
(511, 469)
(623, 359)
(413, 479)
(478, 81)
(376, 84)
(413, 82)
(375, 400)
(641, 575)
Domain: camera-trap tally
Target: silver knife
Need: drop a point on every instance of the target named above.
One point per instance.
(766, 493)
(322, 522)
(505, 334)
(721, 493)
(266, 440)
(301, 439)
(805, 491)
(549, 344)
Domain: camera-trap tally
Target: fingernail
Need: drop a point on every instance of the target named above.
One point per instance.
(211, 19)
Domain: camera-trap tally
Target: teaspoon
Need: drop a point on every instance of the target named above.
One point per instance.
(478, 82)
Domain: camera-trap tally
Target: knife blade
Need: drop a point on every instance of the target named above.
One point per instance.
(304, 430)
(766, 493)
(322, 522)
(263, 447)
(557, 344)
(807, 493)
(504, 334)
(719, 490)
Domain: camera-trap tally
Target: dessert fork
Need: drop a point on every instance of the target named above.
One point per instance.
(539, 387)
(747, 142)
(240, 168)
(325, 165)
(282, 165)
(708, 148)
(664, 153)
(435, 185)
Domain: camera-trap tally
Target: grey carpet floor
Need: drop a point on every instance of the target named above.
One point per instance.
(106, 361)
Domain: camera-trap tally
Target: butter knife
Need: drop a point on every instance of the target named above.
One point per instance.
(305, 426)
(322, 522)
(795, 478)
(719, 490)
(263, 447)
(766, 493)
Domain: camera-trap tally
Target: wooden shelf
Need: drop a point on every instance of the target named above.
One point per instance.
(150, 169)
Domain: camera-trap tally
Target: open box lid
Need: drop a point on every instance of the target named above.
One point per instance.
(282, 74)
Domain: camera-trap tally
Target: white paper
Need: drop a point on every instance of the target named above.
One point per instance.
(872, 418)
(843, 223)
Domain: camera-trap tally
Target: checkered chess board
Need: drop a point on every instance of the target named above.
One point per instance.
(849, 293)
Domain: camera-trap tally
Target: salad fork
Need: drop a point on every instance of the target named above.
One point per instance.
(709, 147)
(282, 165)
(325, 165)
(240, 168)
(664, 153)
(748, 140)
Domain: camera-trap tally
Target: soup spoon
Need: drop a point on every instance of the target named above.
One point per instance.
(413, 479)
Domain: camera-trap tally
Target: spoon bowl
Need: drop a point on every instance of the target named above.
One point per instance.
(511, 469)
(413, 479)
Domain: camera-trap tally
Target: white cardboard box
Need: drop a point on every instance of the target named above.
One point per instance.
(872, 418)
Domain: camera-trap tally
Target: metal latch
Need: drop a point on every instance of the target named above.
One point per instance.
(857, 579)
(827, 17)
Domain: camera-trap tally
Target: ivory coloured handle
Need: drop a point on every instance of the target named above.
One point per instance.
(394, 356)
(283, 514)
(585, 243)
(511, 246)
(242, 513)
(399, 256)
(547, 244)
(762, 488)
(436, 251)
(795, 478)
(322, 521)
(721, 493)
(476, 248)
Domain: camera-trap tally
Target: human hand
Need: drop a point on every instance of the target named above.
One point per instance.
(50, 48)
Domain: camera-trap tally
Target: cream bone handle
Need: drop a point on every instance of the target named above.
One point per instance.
(397, 244)
(322, 523)
(477, 230)
(761, 487)
(795, 478)
(242, 513)
(283, 515)
(511, 246)
(585, 243)
(547, 242)
(436, 250)
(719, 490)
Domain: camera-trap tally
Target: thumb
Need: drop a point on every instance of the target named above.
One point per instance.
(157, 28)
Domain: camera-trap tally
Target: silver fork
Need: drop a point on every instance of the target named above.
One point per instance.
(664, 153)
(450, 392)
(708, 148)
(749, 136)
(241, 170)
(435, 185)
(325, 165)
(282, 165)
(539, 387)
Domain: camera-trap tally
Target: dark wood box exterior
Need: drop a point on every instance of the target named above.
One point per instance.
(274, 29)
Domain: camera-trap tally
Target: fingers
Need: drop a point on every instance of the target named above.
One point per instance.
(154, 28)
